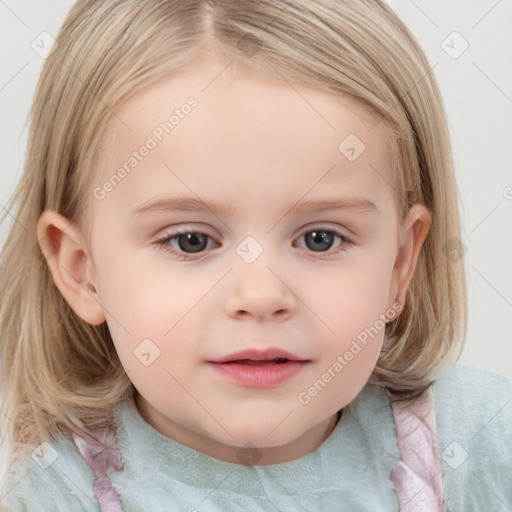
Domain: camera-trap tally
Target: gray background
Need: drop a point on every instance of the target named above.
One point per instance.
(476, 85)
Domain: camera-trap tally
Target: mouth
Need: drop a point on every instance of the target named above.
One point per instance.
(258, 369)
(264, 362)
(257, 357)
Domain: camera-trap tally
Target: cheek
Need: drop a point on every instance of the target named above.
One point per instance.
(349, 306)
(348, 299)
(146, 293)
(151, 311)
(351, 347)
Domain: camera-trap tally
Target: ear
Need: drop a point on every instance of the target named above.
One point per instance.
(413, 232)
(70, 265)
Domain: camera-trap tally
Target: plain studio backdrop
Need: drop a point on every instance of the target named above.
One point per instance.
(468, 44)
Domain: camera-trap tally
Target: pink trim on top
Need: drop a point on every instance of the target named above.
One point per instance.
(418, 475)
(100, 459)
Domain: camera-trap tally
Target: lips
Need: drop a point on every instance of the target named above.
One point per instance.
(264, 362)
(257, 368)
(259, 357)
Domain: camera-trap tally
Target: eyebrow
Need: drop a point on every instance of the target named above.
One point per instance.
(192, 204)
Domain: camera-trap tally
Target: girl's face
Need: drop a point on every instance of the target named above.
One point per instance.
(251, 169)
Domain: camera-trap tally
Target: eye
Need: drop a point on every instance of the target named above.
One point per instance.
(319, 239)
(186, 243)
(193, 241)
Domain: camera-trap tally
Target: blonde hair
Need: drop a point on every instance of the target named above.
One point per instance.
(57, 370)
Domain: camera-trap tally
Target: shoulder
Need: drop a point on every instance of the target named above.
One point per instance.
(474, 404)
(469, 373)
(473, 393)
(54, 477)
(473, 409)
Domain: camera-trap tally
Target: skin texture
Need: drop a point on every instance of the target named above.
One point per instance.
(259, 146)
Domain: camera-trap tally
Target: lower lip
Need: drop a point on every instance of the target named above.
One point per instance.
(259, 376)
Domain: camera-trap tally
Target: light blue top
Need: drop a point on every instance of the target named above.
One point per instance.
(349, 471)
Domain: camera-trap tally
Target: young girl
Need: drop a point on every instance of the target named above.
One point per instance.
(235, 279)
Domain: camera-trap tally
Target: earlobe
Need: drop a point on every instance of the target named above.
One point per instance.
(412, 236)
(67, 257)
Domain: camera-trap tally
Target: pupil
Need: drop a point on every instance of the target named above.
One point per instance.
(195, 242)
(323, 238)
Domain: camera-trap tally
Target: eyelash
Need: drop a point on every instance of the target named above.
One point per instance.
(163, 243)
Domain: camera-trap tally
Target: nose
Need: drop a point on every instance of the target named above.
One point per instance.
(260, 292)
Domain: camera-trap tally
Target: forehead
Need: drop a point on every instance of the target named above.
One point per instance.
(241, 132)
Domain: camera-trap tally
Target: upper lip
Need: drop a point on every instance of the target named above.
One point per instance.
(258, 355)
